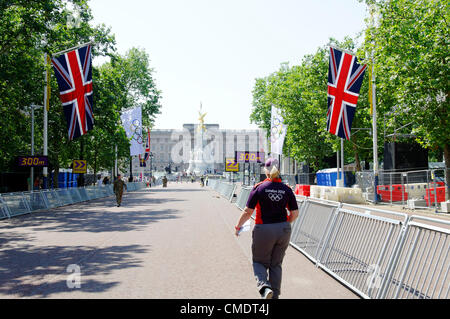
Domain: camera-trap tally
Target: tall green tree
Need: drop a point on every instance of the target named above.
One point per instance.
(123, 82)
(301, 93)
(28, 29)
(410, 45)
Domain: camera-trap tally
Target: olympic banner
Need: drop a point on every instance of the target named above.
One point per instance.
(132, 123)
(278, 131)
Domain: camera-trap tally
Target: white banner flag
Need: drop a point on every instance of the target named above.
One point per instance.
(278, 131)
(132, 123)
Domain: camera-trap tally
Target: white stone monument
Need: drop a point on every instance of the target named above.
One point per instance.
(200, 162)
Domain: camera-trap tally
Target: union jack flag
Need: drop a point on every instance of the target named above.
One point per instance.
(345, 77)
(73, 71)
(147, 151)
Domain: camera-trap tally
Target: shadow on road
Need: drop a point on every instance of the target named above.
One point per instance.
(96, 216)
(40, 272)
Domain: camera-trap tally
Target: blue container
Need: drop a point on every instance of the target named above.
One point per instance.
(75, 180)
(62, 180)
(327, 177)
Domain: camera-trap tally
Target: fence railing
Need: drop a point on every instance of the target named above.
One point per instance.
(379, 254)
(242, 198)
(223, 188)
(416, 189)
(420, 269)
(19, 203)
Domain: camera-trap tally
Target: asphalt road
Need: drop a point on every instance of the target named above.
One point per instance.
(175, 242)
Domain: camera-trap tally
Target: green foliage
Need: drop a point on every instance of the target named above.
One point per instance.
(411, 53)
(28, 29)
(301, 93)
(410, 47)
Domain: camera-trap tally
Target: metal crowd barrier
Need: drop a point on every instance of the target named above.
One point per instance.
(35, 200)
(314, 221)
(225, 189)
(379, 254)
(64, 195)
(420, 270)
(242, 198)
(15, 204)
(4, 212)
(359, 249)
(51, 198)
(131, 187)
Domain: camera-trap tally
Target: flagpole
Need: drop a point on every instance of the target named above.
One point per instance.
(71, 49)
(46, 106)
(115, 162)
(337, 166)
(342, 163)
(374, 124)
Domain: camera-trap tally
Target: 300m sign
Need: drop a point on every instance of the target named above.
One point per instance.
(32, 161)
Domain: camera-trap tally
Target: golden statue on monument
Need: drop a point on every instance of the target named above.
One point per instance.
(201, 119)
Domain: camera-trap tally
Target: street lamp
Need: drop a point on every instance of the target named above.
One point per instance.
(151, 174)
(32, 107)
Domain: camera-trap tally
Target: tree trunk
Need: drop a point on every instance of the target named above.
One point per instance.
(81, 176)
(355, 151)
(95, 165)
(55, 177)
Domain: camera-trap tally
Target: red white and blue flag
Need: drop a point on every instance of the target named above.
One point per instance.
(73, 71)
(345, 77)
(147, 151)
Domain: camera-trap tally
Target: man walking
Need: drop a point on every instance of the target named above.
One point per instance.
(118, 189)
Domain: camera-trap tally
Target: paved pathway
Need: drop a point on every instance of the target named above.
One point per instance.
(174, 242)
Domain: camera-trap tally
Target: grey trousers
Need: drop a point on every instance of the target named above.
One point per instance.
(270, 242)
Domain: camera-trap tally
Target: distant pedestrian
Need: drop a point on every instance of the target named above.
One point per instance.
(119, 184)
(271, 234)
(99, 180)
(36, 184)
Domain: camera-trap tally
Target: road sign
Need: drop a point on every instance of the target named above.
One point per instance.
(249, 157)
(79, 167)
(231, 165)
(32, 161)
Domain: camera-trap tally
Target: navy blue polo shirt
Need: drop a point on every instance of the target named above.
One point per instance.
(270, 199)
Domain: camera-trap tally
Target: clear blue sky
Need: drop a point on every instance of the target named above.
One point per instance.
(211, 51)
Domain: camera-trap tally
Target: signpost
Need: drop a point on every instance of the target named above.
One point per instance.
(79, 167)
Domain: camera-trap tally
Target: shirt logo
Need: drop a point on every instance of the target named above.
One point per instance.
(274, 197)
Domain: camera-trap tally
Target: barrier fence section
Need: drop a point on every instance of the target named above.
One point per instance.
(359, 248)
(242, 198)
(223, 188)
(420, 270)
(309, 230)
(379, 254)
(4, 212)
(417, 189)
(19, 203)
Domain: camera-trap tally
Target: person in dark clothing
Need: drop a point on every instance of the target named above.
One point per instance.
(271, 235)
(118, 187)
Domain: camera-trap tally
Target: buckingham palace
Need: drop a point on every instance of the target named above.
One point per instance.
(173, 147)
